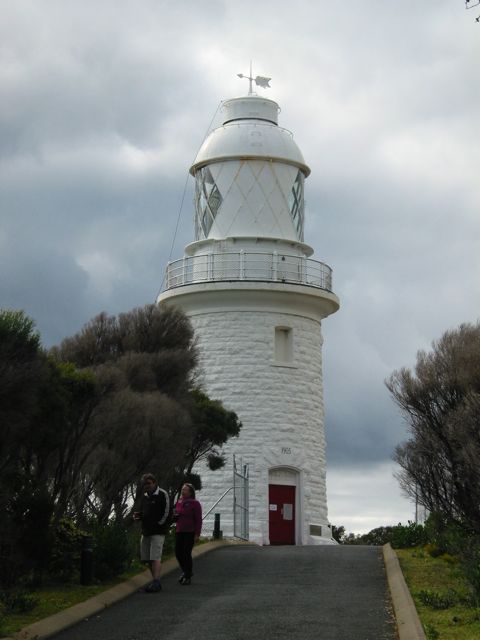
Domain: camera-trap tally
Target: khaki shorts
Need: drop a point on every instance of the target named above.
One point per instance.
(151, 547)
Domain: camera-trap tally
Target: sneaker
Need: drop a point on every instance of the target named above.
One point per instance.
(181, 579)
(154, 587)
(186, 581)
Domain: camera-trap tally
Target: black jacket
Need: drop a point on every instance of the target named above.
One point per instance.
(156, 512)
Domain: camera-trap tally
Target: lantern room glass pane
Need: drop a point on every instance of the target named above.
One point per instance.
(297, 205)
(208, 200)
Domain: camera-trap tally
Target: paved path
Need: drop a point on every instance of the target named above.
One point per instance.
(259, 593)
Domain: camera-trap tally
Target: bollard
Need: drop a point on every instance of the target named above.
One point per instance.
(86, 561)
(217, 534)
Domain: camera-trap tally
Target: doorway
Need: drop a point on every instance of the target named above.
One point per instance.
(281, 520)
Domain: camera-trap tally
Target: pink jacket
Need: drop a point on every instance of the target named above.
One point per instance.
(188, 516)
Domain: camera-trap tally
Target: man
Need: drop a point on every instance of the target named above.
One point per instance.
(155, 515)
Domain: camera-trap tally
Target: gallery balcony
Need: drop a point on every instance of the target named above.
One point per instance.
(248, 266)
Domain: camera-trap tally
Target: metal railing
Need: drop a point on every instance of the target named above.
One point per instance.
(240, 500)
(204, 517)
(245, 265)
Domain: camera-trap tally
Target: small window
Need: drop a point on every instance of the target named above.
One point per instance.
(283, 344)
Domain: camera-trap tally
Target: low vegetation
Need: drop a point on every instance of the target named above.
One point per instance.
(441, 564)
(115, 558)
(29, 607)
(445, 600)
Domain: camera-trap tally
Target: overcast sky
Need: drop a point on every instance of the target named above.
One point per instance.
(104, 104)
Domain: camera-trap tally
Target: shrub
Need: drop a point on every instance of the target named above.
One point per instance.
(452, 540)
(65, 557)
(399, 536)
(406, 536)
(436, 600)
(449, 559)
(2, 619)
(431, 632)
(470, 559)
(338, 534)
(445, 535)
(115, 548)
(17, 601)
(10, 560)
(377, 537)
(433, 550)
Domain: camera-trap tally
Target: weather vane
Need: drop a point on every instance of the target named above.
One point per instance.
(260, 81)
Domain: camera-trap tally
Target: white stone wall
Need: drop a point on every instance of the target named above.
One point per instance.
(281, 408)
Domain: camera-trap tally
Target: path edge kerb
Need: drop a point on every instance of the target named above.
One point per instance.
(67, 618)
(408, 623)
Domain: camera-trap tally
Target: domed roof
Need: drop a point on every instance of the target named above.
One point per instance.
(250, 107)
(250, 131)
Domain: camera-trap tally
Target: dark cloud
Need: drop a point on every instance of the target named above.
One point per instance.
(47, 285)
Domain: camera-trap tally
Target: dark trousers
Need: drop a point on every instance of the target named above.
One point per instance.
(184, 542)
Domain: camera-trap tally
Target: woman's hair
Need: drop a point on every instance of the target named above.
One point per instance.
(191, 487)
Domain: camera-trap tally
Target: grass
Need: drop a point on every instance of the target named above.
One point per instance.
(53, 598)
(442, 595)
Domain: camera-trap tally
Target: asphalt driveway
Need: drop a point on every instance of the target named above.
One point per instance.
(265, 593)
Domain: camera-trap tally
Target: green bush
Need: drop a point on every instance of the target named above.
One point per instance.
(115, 548)
(406, 536)
(10, 560)
(447, 537)
(436, 600)
(470, 559)
(451, 540)
(433, 550)
(3, 611)
(431, 632)
(66, 548)
(399, 536)
(17, 601)
(377, 537)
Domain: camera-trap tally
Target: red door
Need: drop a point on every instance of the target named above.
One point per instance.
(281, 499)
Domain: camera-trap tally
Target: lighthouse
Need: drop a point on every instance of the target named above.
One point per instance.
(256, 299)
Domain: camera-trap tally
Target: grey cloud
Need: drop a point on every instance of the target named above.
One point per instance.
(104, 107)
(48, 286)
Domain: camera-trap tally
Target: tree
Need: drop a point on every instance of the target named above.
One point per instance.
(440, 401)
(143, 362)
(21, 369)
(213, 425)
(339, 533)
(81, 423)
(34, 410)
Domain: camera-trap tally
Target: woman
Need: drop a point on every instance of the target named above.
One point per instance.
(188, 518)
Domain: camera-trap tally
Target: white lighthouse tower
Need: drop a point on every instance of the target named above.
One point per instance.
(256, 300)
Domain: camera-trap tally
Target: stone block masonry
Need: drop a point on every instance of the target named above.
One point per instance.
(279, 403)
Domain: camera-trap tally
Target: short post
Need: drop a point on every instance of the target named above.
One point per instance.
(217, 534)
(86, 561)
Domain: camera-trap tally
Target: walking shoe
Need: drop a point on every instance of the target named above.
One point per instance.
(181, 579)
(154, 587)
(186, 581)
